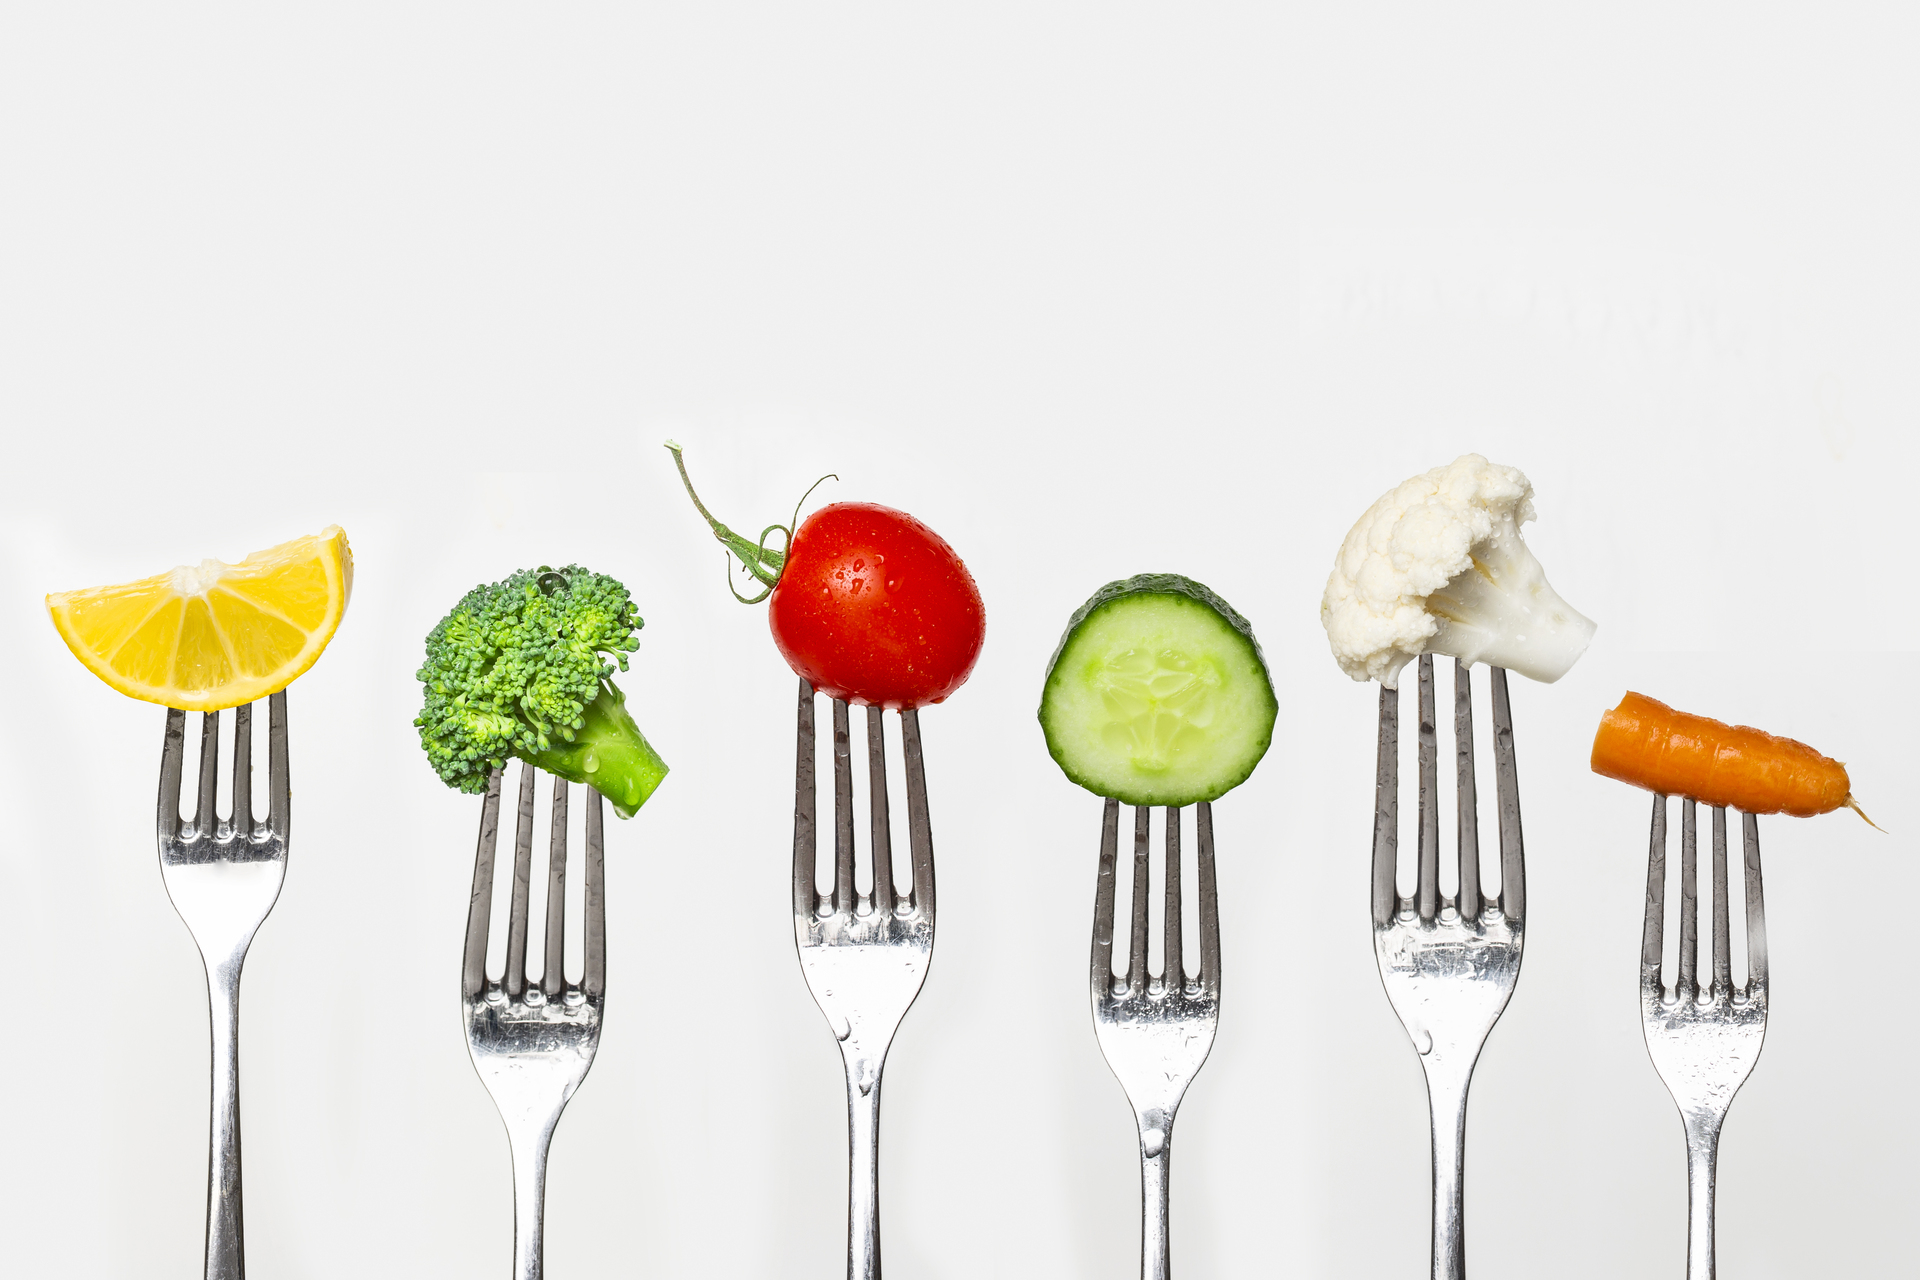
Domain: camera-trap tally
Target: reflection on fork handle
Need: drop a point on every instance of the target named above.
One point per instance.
(1156, 1150)
(226, 1250)
(863, 1169)
(1703, 1152)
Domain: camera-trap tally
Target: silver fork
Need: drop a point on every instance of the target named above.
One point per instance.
(1703, 1049)
(864, 956)
(532, 1043)
(223, 879)
(1155, 1030)
(1448, 964)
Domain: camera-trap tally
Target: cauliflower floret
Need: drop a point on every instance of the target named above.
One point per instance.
(1438, 566)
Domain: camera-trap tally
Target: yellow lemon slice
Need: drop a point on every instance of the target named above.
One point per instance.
(213, 635)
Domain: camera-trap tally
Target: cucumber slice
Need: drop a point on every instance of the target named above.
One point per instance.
(1158, 694)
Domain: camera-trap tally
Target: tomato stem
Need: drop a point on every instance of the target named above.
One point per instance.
(757, 558)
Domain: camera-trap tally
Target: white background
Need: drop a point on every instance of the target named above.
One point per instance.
(1093, 290)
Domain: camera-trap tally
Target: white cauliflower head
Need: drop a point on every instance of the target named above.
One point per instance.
(1438, 566)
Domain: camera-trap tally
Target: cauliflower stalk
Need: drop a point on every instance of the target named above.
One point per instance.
(1438, 566)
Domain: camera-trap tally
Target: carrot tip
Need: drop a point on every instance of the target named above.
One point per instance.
(1854, 805)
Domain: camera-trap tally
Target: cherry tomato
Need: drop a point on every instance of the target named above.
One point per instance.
(875, 607)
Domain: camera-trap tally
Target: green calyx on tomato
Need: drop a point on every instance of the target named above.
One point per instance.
(757, 558)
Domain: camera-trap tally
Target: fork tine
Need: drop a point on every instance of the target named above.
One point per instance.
(1756, 907)
(172, 750)
(594, 979)
(806, 897)
(1466, 793)
(1173, 959)
(1506, 779)
(1688, 985)
(1429, 883)
(879, 819)
(845, 893)
(515, 978)
(204, 819)
(473, 976)
(243, 770)
(919, 823)
(1386, 810)
(1722, 939)
(1208, 979)
(1103, 901)
(553, 975)
(1653, 932)
(279, 793)
(1137, 937)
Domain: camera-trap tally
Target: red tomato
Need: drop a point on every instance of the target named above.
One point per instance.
(875, 607)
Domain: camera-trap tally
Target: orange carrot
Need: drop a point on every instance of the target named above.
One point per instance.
(1649, 744)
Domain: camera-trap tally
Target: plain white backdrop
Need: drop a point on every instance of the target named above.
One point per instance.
(1093, 289)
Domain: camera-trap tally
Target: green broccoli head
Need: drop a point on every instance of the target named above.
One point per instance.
(524, 668)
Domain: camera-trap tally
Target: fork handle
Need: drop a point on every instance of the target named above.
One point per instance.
(1156, 1150)
(226, 1249)
(1703, 1153)
(1447, 1106)
(863, 1170)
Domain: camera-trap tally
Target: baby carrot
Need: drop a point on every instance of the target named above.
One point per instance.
(1648, 744)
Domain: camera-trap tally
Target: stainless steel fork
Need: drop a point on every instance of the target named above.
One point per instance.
(1155, 1030)
(532, 1043)
(1703, 1045)
(864, 956)
(1448, 963)
(223, 878)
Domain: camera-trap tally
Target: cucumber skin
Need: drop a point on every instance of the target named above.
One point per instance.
(1173, 584)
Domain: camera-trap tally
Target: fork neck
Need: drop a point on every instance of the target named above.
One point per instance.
(863, 1173)
(226, 1247)
(1447, 1099)
(1156, 1152)
(530, 1198)
(1703, 1152)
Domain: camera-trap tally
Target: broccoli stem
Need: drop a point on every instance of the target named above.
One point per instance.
(608, 753)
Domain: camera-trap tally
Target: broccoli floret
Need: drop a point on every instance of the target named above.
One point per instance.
(521, 668)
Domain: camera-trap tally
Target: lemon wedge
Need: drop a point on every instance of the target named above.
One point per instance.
(213, 635)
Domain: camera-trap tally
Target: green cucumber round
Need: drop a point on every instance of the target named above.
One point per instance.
(1158, 694)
